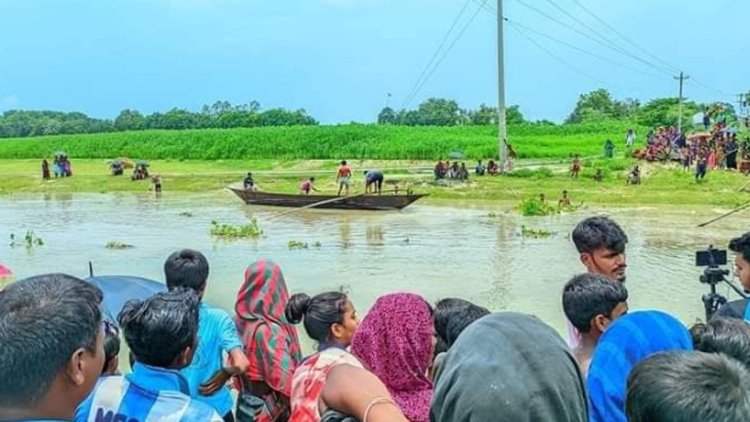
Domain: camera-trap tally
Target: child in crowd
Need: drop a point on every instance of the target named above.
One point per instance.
(217, 334)
(592, 302)
(451, 316)
(162, 332)
(688, 387)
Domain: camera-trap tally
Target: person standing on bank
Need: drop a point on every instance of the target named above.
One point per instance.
(373, 181)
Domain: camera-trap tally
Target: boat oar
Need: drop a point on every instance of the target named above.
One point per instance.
(743, 187)
(316, 204)
(727, 214)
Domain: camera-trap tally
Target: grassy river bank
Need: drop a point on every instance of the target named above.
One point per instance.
(662, 183)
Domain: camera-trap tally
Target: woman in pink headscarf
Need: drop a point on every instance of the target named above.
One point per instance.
(396, 341)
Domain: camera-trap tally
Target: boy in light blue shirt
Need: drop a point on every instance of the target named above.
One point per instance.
(161, 331)
(217, 334)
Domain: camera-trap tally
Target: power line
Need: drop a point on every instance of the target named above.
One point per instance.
(628, 40)
(581, 50)
(634, 44)
(611, 43)
(619, 50)
(445, 54)
(437, 52)
(556, 57)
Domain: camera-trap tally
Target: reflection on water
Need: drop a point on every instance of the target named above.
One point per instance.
(436, 251)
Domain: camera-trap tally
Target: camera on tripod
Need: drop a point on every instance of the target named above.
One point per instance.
(712, 258)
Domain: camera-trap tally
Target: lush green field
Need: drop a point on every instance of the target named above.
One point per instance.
(373, 142)
(662, 184)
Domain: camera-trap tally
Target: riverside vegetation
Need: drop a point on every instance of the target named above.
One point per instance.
(281, 157)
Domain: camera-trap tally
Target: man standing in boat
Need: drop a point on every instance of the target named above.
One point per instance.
(373, 181)
(343, 178)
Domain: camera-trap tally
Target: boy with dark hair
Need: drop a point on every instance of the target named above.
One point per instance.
(461, 319)
(592, 302)
(52, 347)
(450, 318)
(601, 245)
(688, 387)
(729, 336)
(162, 333)
(738, 308)
(217, 333)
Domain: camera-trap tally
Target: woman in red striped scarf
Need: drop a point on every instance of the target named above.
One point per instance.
(271, 344)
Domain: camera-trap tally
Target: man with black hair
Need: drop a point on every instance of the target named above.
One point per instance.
(51, 347)
(592, 302)
(162, 332)
(601, 245)
(217, 334)
(688, 387)
(738, 308)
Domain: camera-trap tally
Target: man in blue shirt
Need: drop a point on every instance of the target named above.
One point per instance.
(217, 334)
(161, 331)
(52, 347)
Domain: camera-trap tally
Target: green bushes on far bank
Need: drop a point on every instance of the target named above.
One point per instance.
(382, 142)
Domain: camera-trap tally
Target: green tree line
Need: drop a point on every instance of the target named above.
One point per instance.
(219, 115)
(595, 106)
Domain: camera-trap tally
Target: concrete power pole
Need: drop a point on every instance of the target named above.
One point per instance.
(681, 78)
(502, 128)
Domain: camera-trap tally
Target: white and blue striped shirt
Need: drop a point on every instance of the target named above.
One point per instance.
(147, 395)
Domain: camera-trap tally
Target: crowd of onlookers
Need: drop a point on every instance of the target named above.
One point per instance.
(717, 149)
(405, 360)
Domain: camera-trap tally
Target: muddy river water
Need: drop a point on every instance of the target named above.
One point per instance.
(435, 250)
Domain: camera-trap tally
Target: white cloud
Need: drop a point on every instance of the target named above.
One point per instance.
(8, 102)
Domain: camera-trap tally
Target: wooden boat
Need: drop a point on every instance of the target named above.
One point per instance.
(358, 202)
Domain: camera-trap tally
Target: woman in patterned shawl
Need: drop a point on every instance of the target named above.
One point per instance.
(396, 342)
(271, 342)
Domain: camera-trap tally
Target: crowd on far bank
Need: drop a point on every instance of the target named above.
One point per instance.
(405, 360)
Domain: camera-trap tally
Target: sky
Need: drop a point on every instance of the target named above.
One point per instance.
(339, 59)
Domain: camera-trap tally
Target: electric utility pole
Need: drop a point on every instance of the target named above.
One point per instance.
(681, 78)
(502, 128)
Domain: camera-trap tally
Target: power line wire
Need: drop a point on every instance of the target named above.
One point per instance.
(556, 57)
(445, 54)
(619, 50)
(581, 50)
(437, 52)
(606, 40)
(628, 40)
(636, 45)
